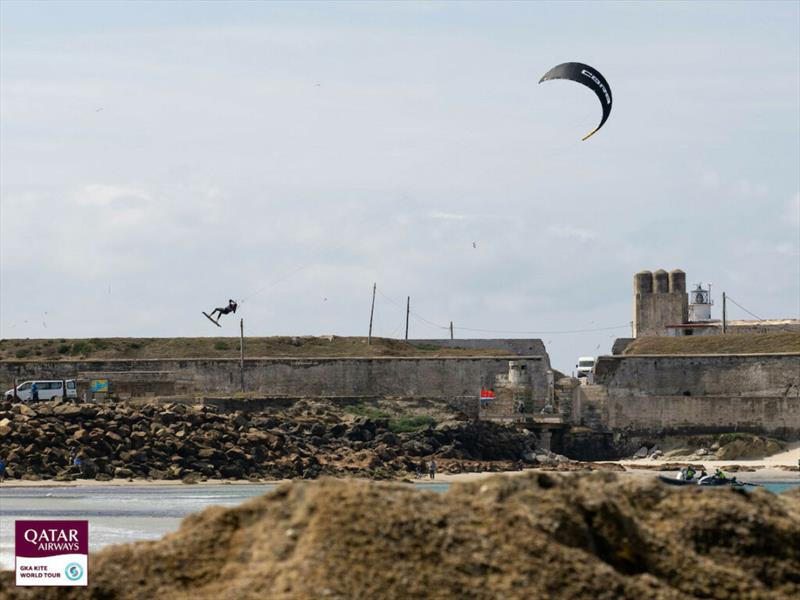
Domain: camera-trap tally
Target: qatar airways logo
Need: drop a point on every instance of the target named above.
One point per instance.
(594, 78)
(53, 540)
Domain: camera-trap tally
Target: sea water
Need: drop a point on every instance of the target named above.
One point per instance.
(121, 514)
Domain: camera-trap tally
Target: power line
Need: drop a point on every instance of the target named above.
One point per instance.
(414, 314)
(545, 332)
(743, 308)
(567, 331)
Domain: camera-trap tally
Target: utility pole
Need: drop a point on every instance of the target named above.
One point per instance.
(724, 315)
(451, 330)
(408, 312)
(241, 351)
(371, 312)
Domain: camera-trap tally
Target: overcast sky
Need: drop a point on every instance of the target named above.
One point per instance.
(157, 159)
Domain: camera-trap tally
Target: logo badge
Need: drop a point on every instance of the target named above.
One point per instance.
(51, 552)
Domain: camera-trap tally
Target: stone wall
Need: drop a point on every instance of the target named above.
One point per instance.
(661, 394)
(446, 378)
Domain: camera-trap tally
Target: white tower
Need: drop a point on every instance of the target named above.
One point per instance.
(700, 304)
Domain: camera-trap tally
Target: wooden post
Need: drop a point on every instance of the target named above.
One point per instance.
(16, 396)
(408, 311)
(451, 330)
(724, 315)
(371, 312)
(241, 352)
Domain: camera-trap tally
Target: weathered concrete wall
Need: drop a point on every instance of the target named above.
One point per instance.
(757, 392)
(318, 377)
(519, 347)
(653, 312)
(700, 375)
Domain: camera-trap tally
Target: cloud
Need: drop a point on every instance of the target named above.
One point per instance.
(570, 232)
(218, 168)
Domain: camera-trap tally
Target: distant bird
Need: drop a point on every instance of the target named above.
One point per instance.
(317, 85)
(99, 109)
(474, 245)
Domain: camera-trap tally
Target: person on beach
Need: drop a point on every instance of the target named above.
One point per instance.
(78, 462)
(432, 469)
(421, 468)
(2, 470)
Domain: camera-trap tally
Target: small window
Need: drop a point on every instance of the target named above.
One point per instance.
(689, 332)
(70, 385)
(25, 386)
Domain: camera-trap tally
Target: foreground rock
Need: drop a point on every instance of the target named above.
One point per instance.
(180, 442)
(536, 536)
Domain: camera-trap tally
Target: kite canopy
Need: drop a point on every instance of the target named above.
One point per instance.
(588, 76)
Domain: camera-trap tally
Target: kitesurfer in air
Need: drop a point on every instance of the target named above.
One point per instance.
(231, 308)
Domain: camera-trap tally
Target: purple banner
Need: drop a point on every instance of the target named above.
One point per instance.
(36, 539)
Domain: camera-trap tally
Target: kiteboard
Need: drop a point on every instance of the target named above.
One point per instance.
(210, 319)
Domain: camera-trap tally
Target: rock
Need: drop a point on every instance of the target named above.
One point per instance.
(157, 474)
(191, 478)
(641, 452)
(122, 473)
(211, 454)
(66, 410)
(26, 410)
(702, 452)
(102, 477)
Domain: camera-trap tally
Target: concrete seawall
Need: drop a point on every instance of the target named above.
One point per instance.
(445, 378)
(662, 394)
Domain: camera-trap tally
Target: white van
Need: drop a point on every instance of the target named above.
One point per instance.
(585, 365)
(48, 389)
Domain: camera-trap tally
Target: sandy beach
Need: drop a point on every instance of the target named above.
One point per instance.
(767, 469)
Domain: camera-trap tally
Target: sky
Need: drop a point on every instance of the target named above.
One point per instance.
(157, 159)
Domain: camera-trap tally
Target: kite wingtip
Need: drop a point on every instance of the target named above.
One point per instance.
(588, 135)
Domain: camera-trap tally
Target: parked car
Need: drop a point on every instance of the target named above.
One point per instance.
(585, 366)
(48, 389)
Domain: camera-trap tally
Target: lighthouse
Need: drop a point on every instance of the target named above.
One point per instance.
(700, 304)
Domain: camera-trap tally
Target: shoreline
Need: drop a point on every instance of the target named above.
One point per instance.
(641, 468)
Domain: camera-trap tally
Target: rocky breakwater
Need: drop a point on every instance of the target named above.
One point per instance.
(65, 441)
(535, 536)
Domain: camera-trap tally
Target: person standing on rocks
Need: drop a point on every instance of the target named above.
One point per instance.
(77, 460)
(432, 469)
